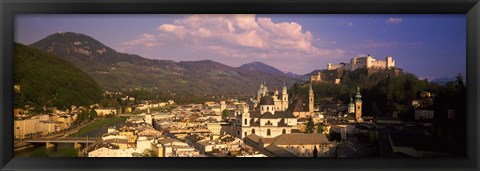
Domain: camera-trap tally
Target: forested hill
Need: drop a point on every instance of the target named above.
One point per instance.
(384, 93)
(51, 81)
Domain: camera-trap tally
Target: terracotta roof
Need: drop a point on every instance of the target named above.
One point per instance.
(194, 138)
(279, 151)
(297, 139)
(253, 137)
(297, 106)
(278, 114)
(166, 141)
(117, 140)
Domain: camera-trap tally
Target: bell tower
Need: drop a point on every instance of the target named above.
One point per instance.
(310, 98)
(358, 104)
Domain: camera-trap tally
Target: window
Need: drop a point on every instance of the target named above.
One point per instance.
(268, 132)
(253, 131)
(284, 131)
(268, 123)
(262, 107)
(238, 132)
(267, 108)
(245, 133)
(245, 121)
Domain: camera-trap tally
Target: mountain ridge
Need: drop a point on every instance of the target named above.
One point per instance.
(120, 71)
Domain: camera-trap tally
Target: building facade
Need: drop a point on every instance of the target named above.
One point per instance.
(266, 121)
(280, 100)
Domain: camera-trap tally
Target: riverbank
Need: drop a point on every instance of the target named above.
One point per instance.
(98, 124)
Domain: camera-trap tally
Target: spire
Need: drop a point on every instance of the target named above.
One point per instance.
(284, 88)
(358, 96)
(310, 90)
(265, 88)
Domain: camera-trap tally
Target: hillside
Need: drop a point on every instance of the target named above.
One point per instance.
(262, 67)
(48, 80)
(384, 93)
(162, 78)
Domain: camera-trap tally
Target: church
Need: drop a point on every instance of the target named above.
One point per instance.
(270, 116)
(280, 100)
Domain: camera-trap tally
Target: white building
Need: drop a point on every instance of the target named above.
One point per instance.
(106, 111)
(265, 122)
(34, 126)
(111, 152)
(364, 62)
(280, 101)
(218, 128)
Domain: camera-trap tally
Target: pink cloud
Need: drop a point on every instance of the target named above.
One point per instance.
(234, 39)
(393, 20)
(145, 40)
(238, 33)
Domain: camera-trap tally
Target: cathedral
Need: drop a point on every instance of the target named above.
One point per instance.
(272, 114)
(270, 117)
(279, 100)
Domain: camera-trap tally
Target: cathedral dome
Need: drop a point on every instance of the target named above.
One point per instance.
(267, 100)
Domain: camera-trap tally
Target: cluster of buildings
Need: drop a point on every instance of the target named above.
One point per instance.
(28, 126)
(138, 138)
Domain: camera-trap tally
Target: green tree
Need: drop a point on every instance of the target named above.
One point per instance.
(320, 128)
(310, 125)
(225, 113)
(93, 114)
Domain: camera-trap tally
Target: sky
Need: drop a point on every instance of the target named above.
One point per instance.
(430, 46)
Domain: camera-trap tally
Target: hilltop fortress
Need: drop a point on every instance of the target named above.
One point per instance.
(364, 62)
(372, 65)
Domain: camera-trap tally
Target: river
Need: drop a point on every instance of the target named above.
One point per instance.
(60, 149)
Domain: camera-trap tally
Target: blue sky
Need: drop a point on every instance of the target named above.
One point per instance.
(429, 46)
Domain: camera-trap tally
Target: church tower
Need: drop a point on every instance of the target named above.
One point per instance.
(260, 91)
(265, 89)
(284, 96)
(223, 106)
(351, 106)
(310, 98)
(358, 104)
(148, 117)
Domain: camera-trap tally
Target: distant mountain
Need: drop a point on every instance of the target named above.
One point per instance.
(262, 67)
(443, 80)
(293, 75)
(121, 71)
(49, 80)
(259, 66)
